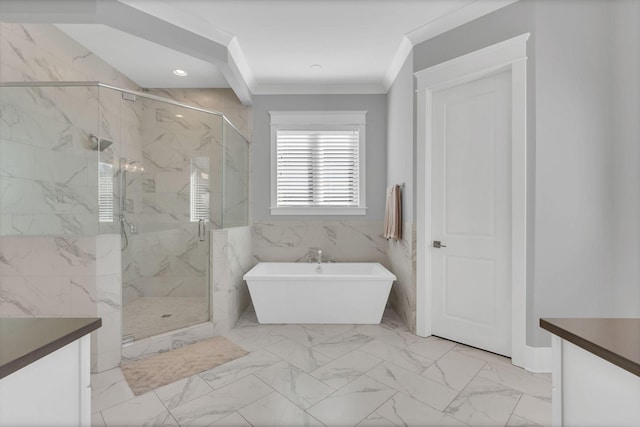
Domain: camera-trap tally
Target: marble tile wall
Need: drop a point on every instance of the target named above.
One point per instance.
(170, 262)
(65, 276)
(340, 241)
(47, 130)
(121, 123)
(345, 241)
(48, 174)
(230, 260)
(235, 197)
(49, 179)
(54, 262)
(221, 100)
(402, 257)
(165, 256)
(107, 341)
(41, 52)
(225, 101)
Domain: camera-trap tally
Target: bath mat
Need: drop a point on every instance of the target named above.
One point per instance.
(165, 368)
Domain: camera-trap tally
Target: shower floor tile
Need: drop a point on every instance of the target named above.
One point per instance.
(147, 316)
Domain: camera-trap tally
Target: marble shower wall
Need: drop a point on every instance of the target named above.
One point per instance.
(44, 132)
(235, 193)
(171, 262)
(165, 256)
(48, 173)
(53, 262)
(120, 123)
(231, 259)
(49, 199)
(224, 101)
(340, 241)
(221, 100)
(66, 276)
(41, 52)
(402, 257)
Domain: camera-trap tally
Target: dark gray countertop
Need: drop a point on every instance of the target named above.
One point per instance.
(615, 340)
(25, 340)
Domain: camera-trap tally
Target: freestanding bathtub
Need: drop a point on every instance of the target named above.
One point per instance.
(288, 292)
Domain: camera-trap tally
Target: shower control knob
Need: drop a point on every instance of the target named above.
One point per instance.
(437, 244)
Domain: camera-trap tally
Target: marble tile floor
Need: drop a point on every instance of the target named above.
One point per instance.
(143, 317)
(336, 375)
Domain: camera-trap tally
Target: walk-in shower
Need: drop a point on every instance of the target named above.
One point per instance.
(158, 173)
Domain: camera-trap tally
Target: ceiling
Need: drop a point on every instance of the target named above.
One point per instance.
(147, 63)
(284, 46)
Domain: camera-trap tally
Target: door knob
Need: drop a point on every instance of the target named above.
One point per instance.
(437, 244)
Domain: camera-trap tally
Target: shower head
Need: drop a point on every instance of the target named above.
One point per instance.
(99, 144)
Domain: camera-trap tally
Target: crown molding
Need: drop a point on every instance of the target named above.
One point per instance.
(237, 56)
(320, 89)
(222, 48)
(173, 14)
(436, 27)
(403, 51)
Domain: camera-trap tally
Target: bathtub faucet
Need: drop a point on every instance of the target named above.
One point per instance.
(319, 259)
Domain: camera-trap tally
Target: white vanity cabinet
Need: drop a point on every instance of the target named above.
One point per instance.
(596, 372)
(45, 372)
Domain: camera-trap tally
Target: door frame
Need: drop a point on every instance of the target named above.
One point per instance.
(509, 55)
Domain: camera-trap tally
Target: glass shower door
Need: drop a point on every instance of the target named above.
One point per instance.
(167, 171)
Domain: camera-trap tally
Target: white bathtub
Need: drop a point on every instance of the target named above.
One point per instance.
(287, 292)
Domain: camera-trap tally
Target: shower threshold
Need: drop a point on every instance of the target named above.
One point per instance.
(150, 316)
(144, 347)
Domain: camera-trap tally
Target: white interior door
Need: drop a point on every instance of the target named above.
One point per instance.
(471, 213)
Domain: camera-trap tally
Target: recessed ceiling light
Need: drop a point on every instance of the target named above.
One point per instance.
(316, 66)
(180, 73)
(179, 116)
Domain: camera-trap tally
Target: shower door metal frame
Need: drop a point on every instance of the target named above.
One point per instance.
(132, 92)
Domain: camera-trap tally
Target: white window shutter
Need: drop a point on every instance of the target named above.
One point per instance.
(105, 192)
(318, 168)
(200, 194)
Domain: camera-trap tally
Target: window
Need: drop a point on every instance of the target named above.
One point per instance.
(318, 163)
(199, 189)
(105, 192)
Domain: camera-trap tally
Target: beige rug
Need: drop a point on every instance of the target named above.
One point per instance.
(165, 368)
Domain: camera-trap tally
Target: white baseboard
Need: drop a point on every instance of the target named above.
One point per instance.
(537, 359)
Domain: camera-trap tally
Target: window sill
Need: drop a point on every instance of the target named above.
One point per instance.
(318, 211)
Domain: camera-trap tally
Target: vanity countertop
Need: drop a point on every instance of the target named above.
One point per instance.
(615, 340)
(25, 340)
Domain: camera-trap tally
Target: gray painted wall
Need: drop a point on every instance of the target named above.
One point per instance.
(571, 147)
(400, 168)
(574, 181)
(400, 136)
(376, 146)
(626, 157)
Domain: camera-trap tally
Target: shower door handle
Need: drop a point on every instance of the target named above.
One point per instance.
(201, 229)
